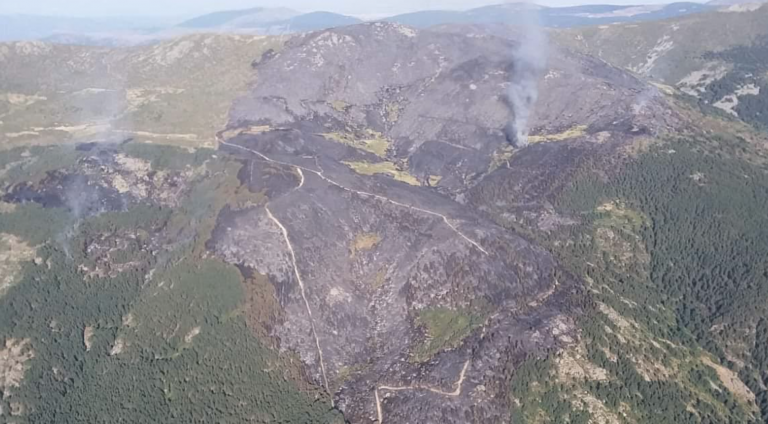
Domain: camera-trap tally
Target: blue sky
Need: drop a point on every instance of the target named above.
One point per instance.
(182, 8)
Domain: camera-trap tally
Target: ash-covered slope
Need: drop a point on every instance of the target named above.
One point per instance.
(405, 304)
(435, 100)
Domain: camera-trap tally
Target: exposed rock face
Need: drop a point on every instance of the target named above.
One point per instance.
(430, 106)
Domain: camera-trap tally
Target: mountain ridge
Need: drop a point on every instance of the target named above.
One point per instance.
(282, 20)
(552, 17)
(235, 18)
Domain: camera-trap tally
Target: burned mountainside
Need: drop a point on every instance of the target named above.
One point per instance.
(336, 228)
(405, 302)
(433, 103)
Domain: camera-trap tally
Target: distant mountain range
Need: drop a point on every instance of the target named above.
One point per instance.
(282, 20)
(733, 2)
(553, 17)
(269, 21)
(247, 18)
(33, 27)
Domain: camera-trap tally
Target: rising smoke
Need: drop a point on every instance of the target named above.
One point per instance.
(529, 61)
(106, 111)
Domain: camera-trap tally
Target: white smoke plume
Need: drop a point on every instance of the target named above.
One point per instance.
(105, 108)
(529, 62)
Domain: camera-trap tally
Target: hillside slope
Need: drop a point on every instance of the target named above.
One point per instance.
(365, 141)
(339, 225)
(726, 67)
(176, 92)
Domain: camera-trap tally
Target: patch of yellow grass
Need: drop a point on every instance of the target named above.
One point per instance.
(666, 89)
(619, 215)
(577, 131)
(434, 180)
(339, 106)
(363, 242)
(393, 112)
(381, 279)
(370, 141)
(17, 99)
(7, 207)
(388, 168)
(501, 156)
(253, 130)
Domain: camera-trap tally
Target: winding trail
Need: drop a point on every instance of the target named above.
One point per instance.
(272, 217)
(361, 193)
(300, 169)
(303, 294)
(301, 174)
(454, 393)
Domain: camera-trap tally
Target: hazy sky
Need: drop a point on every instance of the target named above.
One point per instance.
(192, 7)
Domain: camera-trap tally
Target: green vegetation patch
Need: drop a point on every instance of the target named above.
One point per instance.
(616, 214)
(220, 374)
(182, 302)
(34, 223)
(695, 206)
(114, 328)
(445, 329)
(536, 397)
(196, 217)
(32, 164)
(168, 157)
(379, 279)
